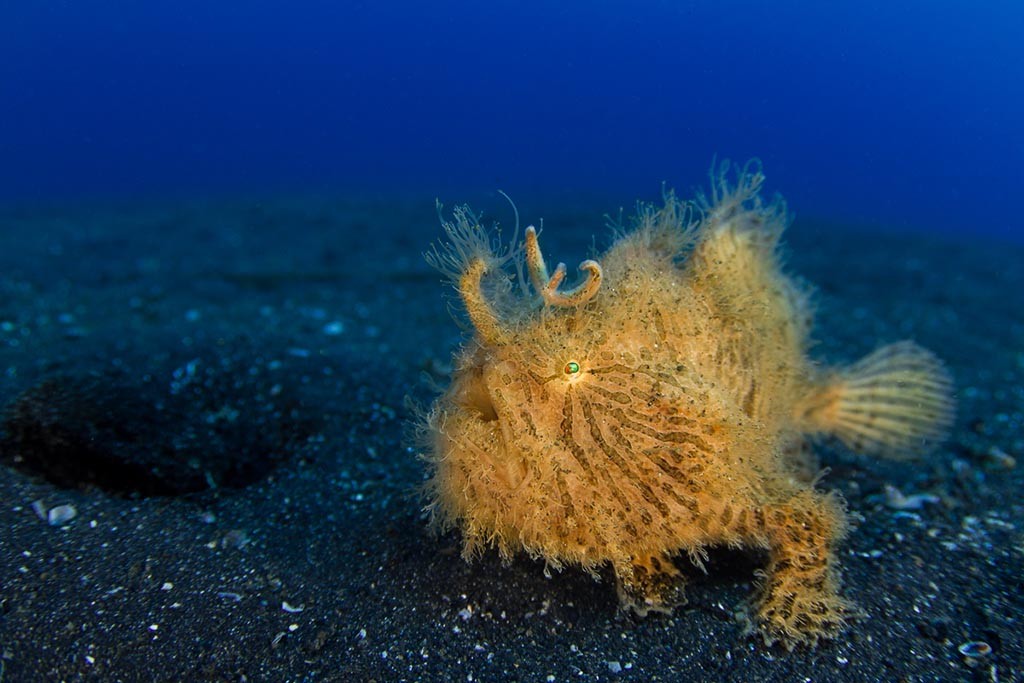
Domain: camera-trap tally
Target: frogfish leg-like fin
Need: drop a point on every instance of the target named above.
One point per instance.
(650, 583)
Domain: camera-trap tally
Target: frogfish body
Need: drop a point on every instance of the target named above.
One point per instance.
(663, 406)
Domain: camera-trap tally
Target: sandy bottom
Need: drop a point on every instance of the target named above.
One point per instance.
(205, 474)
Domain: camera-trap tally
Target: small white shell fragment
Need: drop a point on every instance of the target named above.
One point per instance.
(975, 649)
(895, 499)
(61, 514)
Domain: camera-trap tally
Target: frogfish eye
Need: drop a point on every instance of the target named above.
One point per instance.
(572, 368)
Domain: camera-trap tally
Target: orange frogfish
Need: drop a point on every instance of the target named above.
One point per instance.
(662, 406)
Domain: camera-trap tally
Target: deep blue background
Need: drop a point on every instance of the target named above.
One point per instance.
(906, 113)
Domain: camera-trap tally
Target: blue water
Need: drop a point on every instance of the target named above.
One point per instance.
(898, 114)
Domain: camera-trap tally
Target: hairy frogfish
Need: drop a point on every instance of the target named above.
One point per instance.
(662, 406)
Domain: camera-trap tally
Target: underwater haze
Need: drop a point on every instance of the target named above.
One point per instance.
(893, 114)
(234, 394)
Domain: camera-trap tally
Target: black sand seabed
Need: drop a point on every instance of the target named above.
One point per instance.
(266, 349)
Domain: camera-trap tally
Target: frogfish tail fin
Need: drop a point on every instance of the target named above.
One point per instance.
(894, 402)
